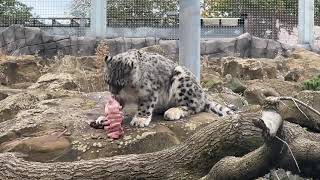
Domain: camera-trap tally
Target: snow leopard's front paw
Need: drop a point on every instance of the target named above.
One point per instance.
(175, 113)
(101, 119)
(140, 121)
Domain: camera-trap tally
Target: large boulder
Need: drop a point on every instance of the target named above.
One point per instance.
(257, 94)
(11, 105)
(229, 99)
(168, 49)
(284, 88)
(119, 45)
(266, 48)
(212, 81)
(86, 71)
(68, 72)
(257, 90)
(3, 96)
(235, 84)
(20, 40)
(55, 81)
(244, 46)
(40, 148)
(305, 64)
(220, 48)
(16, 70)
(249, 69)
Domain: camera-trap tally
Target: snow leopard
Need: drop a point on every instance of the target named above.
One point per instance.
(157, 85)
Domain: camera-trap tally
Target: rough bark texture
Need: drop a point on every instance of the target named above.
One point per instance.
(305, 147)
(249, 166)
(191, 160)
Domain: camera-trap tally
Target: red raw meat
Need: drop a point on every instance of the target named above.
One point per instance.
(112, 120)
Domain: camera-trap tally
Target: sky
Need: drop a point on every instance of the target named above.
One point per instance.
(48, 8)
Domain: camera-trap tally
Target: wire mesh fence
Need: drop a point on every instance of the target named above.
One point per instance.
(220, 18)
(140, 18)
(272, 19)
(317, 23)
(160, 18)
(58, 17)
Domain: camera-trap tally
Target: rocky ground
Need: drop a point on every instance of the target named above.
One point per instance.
(46, 105)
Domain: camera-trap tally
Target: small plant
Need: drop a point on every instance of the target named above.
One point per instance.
(312, 84)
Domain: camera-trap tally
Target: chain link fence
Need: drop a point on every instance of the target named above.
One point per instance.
(272, 19)
(317, 23)
(160, 18)
(58, 17)
(143, 18)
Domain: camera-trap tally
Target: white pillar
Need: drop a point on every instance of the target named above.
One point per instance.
(189, 35)
(306, 23)
(98, 24)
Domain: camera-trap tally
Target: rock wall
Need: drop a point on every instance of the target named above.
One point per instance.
(19, 40)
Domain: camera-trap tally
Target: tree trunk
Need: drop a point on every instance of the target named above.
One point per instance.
(190, 160)
(249, 166)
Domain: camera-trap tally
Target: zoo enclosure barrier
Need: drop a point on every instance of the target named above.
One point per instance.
(274, 19)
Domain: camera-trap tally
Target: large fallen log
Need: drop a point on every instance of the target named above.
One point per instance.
(305, 149)
(192, 159)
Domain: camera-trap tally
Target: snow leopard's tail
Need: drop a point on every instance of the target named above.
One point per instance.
(216, 108)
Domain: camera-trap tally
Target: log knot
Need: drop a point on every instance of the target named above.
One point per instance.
(271, 103)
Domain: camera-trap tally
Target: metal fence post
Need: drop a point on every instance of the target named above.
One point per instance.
(99, 18)
(189, 35)
(306, 23)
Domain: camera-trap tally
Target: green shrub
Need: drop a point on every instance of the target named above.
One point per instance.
(312, 84)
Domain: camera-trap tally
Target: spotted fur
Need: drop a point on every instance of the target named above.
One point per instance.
(157, 84)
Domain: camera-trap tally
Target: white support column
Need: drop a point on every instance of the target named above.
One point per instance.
(306, 23)
(189, 35)
(98, 18)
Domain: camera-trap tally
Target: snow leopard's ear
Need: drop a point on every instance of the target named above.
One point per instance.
(131, 64)
(108, 59)
(139, 53)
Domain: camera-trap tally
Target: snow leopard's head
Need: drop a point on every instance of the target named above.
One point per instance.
(121, 70)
